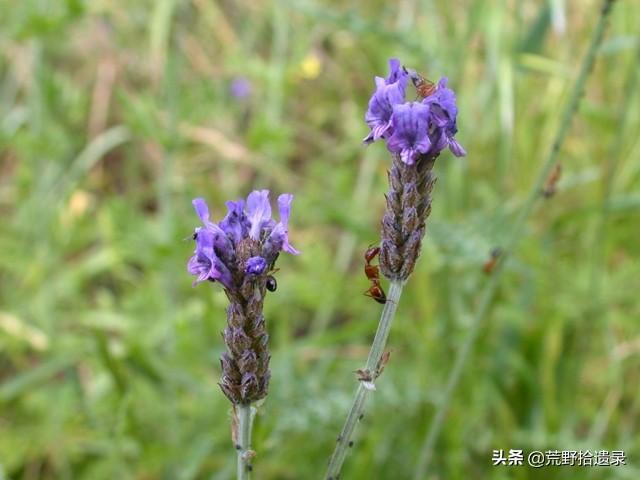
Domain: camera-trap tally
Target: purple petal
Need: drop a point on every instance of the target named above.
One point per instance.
(439, 141)
(378, 115)
(457, 149)
(205, 263)
(258, 212)
(201, 209)
(279, 238)
(423, 144)
(218, 236)
(410, 136)
(443, 103)
(408, 155)
(396, 72)
(235, 224)
(284, 207)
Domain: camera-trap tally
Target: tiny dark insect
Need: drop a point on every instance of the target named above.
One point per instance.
(363, 375)
(424, 87)
(271, 285)
(551, 184)
(491, 263)
(193, 236)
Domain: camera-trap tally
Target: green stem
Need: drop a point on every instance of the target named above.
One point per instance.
(609, 172)
(245, 423)
(512, 240)
(364, 388)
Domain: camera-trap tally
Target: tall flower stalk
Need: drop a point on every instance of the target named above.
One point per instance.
(415, 133)
(240, 253)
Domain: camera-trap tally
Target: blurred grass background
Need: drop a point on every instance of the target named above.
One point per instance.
(114, 115)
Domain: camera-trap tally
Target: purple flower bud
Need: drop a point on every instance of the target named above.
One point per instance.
(255, 266)
(455, 147)
(249, 384)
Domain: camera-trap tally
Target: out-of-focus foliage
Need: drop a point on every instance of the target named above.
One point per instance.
(115, 114)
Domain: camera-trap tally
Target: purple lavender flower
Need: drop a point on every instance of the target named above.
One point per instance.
(241, 88)
(215, 256)
(415, 132)
(240, 252)
(412, 129)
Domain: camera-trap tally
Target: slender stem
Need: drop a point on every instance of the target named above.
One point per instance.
(512, 240)
(364, 388)
(609, 172)
(245, 423)
(598, 313)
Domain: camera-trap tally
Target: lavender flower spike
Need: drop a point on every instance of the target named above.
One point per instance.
(239, 253)
(416, 135)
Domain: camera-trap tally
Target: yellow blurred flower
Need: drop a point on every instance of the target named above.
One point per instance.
(310, 67)
(78, 205)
